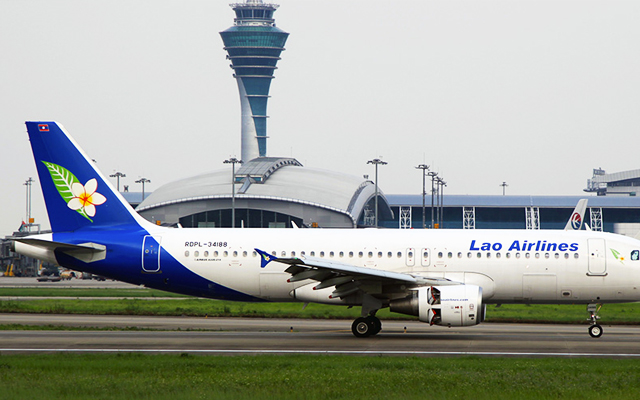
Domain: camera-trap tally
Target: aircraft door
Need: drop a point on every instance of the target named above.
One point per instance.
(151, 253)
(597, 257)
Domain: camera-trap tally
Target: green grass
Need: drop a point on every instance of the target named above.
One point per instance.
(572, 314)
(143, 376)
(133, 304)
(82, 292)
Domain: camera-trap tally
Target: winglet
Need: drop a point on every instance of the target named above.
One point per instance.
(265, 258)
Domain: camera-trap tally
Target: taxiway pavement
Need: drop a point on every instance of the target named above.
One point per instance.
(279, 336)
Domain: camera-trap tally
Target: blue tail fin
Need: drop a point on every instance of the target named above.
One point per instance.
(76, 194)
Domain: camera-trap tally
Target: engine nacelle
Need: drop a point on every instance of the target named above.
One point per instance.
(459, 305)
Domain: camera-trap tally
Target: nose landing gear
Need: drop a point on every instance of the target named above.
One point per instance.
(595, 330)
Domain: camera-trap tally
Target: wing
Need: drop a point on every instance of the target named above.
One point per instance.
(348, 278)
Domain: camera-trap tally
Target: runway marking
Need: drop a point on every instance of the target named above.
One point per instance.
(330, 352)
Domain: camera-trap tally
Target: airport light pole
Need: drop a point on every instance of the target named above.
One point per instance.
(504, 185)
(118, 175)
(143, 181)
(433, 176)
(442, 184)
(424, 168)
(28, 183)
(376, 162)
(233, 161)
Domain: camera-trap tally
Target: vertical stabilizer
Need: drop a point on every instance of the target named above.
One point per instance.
(76, 194)
(577, 216)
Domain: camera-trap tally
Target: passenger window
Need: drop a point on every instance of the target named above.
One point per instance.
(508, 255)
(331, 254)
(370, 254)
(293, 254)
(322, 254)
(546, 255)
(450, 255)
(379, 254)
(215, 253)
(557, 255)
(342, 254)
(196, 253)
(440, 254)
(576, 255)
(360, 254)
(469, 255)
(225, 254)
(302, 253)
(517, 255)
(566, 255)
(537, 255)
(399, 254)
(389, 254)
(479, 255)
(312, 254)
(186, 253)
(244, 254)
(410, 254)
(488, 255)
(459, 254)
(351, 254)
(527, 255)
(206, 254)
(284, 253)
(498, 255)
(235, 254)
(255, 253)
(635, 255)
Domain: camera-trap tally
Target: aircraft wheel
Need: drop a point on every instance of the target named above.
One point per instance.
(376, 325)
(595, 331)
(361, 327)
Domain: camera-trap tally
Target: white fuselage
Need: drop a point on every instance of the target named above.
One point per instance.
(511, 266)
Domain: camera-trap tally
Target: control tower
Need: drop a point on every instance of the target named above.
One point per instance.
(254, 45)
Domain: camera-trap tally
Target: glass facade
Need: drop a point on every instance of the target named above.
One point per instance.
(512, 217)
(245, 217)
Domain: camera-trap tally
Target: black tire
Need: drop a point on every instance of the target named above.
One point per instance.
(595, 331)
(376, 325)
(361, 328)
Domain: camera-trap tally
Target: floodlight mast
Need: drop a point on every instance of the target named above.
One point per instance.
(233, 161)
(376, 162)
(424, 168)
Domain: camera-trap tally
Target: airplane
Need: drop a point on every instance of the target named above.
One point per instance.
(444, 277)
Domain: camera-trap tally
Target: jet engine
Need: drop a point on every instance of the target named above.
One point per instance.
(459, 305)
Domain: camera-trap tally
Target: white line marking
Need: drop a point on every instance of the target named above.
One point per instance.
(333, 352)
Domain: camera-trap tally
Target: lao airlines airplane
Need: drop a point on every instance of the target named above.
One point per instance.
(444, 277)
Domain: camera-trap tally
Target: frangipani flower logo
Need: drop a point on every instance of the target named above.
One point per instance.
(79, 197)
(86, 197)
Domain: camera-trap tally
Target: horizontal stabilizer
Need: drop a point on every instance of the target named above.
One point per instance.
(87, 252)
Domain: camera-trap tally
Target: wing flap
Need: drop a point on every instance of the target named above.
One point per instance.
(340, 275)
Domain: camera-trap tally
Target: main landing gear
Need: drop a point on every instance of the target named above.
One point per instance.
(366, 326)
(595, 330)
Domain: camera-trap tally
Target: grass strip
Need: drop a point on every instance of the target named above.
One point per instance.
(144, 376)
(85, 292)
(628, 313)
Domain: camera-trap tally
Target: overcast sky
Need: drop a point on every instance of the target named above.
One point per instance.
(534, 93)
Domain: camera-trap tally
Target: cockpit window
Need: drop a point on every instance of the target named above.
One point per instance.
(635, 255)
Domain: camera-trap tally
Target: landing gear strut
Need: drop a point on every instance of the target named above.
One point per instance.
(366, 326)
(595, 330)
